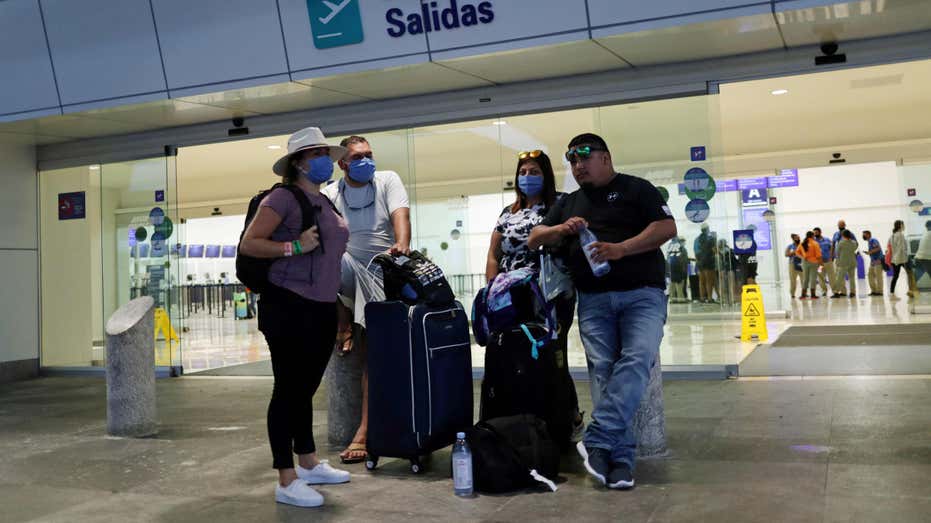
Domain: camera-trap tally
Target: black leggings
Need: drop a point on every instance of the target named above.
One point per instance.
(895, 274)
(300, 335)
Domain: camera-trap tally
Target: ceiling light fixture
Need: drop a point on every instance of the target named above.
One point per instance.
(274, 147)
(779, 92)
(94, 167)
(499, 122)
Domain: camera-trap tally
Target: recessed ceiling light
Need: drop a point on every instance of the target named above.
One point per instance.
(779, 92)
(274, 147)
(499, 122)
(94, 167)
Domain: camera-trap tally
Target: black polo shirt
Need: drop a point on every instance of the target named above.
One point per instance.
(616, 212)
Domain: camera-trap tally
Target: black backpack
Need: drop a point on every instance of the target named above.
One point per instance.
(253, 272)
(414, 279)
(512, 453)
(516, 382)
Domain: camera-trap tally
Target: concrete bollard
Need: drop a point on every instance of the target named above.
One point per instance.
(131, 407)
(650, 421)
(344, 391)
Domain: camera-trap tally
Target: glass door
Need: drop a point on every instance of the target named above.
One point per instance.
(139, 246)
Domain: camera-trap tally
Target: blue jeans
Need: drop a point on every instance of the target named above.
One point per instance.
(621, 332)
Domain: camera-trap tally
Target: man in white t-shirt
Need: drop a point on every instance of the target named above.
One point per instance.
(376, 206)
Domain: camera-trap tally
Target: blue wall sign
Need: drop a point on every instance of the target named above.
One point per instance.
(335, 23)
(697, 211)
(156, 216)
(159, 196)
(752, 183)
(785, 178)
(71, 206)
(754, 197)
(698, 153)
(744, 242)
(754, 220)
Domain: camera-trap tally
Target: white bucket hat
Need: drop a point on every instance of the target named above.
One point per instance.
(307, 138)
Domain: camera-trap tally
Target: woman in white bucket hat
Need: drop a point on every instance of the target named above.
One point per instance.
(297, 314)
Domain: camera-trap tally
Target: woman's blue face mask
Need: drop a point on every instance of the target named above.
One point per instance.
(319, 169)
(362, 170)
(530, 185)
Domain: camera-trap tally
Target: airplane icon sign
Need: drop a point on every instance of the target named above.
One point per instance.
(335, 23)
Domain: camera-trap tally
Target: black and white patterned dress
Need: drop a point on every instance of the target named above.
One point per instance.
(515, 230)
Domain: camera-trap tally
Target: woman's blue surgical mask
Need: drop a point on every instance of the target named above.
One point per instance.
(530, 185)
(362, 170)
(320, 169)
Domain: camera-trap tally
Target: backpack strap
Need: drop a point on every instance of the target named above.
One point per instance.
(308, 210)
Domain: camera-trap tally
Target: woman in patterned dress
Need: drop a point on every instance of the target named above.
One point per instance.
(535, 193)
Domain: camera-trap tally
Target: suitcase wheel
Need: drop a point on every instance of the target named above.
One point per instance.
(371, 463)
(416, 466)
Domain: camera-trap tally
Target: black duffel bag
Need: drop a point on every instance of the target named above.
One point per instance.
(512, 453)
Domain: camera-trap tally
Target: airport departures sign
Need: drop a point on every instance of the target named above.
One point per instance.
(335, 23)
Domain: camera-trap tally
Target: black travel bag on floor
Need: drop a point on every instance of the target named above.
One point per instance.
(512, 453)
(420, 379)
(516, 382)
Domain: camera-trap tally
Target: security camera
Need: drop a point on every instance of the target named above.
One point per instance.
(830, 55)
(837, 158)
(238, 129)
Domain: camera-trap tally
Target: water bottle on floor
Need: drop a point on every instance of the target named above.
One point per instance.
(462, 467)
(586, 238)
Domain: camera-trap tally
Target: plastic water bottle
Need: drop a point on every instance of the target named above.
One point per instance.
(462, 467)
(586, 238)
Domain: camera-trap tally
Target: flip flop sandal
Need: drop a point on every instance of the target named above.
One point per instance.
(341, 343)
(352, 448)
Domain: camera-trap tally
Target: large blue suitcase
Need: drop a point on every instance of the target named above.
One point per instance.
(420, 379)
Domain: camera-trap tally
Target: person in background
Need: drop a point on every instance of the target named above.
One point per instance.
(900, 260)
(622, 313)
(706, 252)
(795, 264)
(810, 252)
(846, 265)
(923, 256)
(826, 274)
(678, 260)
(297, 314)
(377, 209)
(841, 227)
(876, 273)
(535, 193)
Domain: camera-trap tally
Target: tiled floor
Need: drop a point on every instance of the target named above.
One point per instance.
(739, 450)
(690, 338)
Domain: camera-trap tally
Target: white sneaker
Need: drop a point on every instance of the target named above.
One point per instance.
(323, 474)
(299, 494)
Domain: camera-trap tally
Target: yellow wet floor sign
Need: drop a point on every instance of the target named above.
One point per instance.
(753, 317)
(163, 326)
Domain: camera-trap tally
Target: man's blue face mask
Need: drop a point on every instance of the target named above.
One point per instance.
(320, 169)
(362, 170)
(530, 185)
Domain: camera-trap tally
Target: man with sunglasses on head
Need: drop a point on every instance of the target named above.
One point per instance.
(622, 313)
(376, 206)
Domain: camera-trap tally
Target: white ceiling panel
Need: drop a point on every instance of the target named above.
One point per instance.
(538, 62)
(278, 98)
(211, 41)
(659, 14)
(755, 31)
(103, 49)
(306, 51)
(164, 113)
(70, 126)
(26, 81)
(398, 81)
(512, 20)
(802, 25)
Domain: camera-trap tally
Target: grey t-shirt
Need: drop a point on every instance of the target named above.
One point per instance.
(368, 210)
